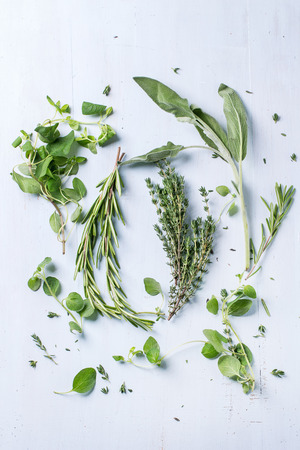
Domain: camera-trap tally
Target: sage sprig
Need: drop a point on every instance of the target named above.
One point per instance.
(187, 246)
(50, 161)
(99, 226)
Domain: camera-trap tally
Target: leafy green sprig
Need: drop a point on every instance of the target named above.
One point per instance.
(50, 161)
(99, 226)
(51, 286)
(187, 246)
(40, 345)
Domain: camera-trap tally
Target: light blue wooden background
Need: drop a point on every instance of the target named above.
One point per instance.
(69, 51)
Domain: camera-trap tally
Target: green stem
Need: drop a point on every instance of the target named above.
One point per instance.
(244, 216)
(181, 345)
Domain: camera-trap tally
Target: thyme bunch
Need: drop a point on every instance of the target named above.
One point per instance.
(187, 246)
(99, 224)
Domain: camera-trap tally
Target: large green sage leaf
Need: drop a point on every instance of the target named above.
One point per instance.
(210, 130)
(236, 117)
(166, 98)
(166, 151)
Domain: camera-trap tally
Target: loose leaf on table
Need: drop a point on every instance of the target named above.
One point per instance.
(27, 185)
(53, 284)
(229, 366)
(239, 307)
(215, 339)
(62, 146)
(152, 350)
(152, 287)
(75, 302)
(83, 382)
(209, 351)
(166, 98)
(236, 117)
(166, 151)
(212, 305)
(89, 109)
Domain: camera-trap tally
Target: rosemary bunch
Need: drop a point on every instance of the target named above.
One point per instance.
(187, 245)
(99, 223)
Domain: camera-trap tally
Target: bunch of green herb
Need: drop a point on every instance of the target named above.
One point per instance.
(51, 286)
(50, 160)
(187, 246)
(99, 226)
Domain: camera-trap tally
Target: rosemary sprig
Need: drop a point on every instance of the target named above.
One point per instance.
(39, 344)
(187, 246)
(99, 223)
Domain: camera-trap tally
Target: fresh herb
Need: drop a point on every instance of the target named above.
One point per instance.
(262, 330)
(106, 90)
(50, 162)
(51, 286)
(265, 307)
(175, 70)
(275, 117)
(283, 134)
(153, 288)
(52, 314)
(278, 373)
(187, 246)
(294, 157)
(123, 388)
(32, 363)
(40, 345)
(176, 418)
(129, 390)
(99, 225)
(249, 92)
(102, 372)
(83, 382)
(67, 349)
(105, 390)
(264, 160)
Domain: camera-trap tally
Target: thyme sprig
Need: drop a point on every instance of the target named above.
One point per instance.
(40, 345)
(99, 225)
(187, 246)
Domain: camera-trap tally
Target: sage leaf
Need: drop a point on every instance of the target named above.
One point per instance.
(54, 286)
(236, 117)
(229, 366)
(75, 302)
(152, 350)
(62, 146)
(239, 307)
(209, 129)
(48, 134)
(34, 283)
(166, 98)
(209, 351)
(212, 305)
(89, 109)
(222, 190)
(74, 327)
(79, 187)
(55, 222)
(152, 287)
(215, 339)
(249, 291)
(28, 185)
(166, 151)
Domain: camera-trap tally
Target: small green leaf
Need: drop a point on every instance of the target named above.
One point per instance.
(71, 194)
(34, 283)
(223, 190)
(209, 351)
(79, 187)
(27, 147)
(215, 339)
(54, 285)
(55, 222)
(239, 307)
(42, 167)
(233, 209)
(53, 184)
(27, 185)
(24, 169)
(249, 291)
(166, 151)
(44, 263)
(88, 309)
(62, 146)
(76, 214)
(212, 305)
(152, 287)
(74, 327)
(107, 132)
(17, 142)
(89, 109)
(152, 350)
(84, 381)
(240, 354)
(74, 124)
(75, 302)
(118, 358)
(48, 134)
(229, 366)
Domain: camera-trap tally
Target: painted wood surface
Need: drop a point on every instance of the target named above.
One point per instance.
(71, 50)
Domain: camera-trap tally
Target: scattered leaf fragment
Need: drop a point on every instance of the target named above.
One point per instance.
(275, 117)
